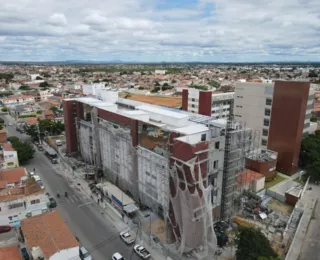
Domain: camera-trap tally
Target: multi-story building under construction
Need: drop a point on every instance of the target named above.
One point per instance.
(169, 160)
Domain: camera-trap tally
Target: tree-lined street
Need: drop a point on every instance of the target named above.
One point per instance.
(94, 230)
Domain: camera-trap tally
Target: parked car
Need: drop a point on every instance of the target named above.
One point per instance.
(4, 229)
(58, 142)
(41, 185)
(84, 254)
(127, 237)
(40, 148)
(54, 160)
(10, 124)
(141, 251)
(25, 254)
(52, 203)
(117, 256)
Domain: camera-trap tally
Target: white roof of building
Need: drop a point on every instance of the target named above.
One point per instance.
(166, 118)
(158, 110)
(192, 129)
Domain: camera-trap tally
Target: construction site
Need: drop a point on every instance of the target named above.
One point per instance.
(184, 172)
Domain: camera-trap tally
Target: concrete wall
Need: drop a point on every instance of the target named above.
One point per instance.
(250, 104)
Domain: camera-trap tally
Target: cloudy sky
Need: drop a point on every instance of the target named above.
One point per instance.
(160, 30)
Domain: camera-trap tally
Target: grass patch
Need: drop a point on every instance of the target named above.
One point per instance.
(303, 179)
(275, 181)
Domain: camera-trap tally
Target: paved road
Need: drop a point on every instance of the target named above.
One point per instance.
(83, 217)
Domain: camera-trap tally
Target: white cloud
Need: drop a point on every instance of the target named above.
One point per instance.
(58, 19)
(211, 30)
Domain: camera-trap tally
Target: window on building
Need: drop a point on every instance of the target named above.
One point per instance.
(268, 101)
(216, 164)
(267, 112)
(263, 142)
(0, 208)
(266, 122)
(192, 105)
(15, 205)
(148, 173)
(203, 137)
(217, 145)
(10, 163)
(193, 99)
(35, 201)
(265, 132)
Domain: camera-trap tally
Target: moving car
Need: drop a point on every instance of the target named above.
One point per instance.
(10, 124)
(4, 229)
(141, 251)
(84, 254)
(24, 253)
(117, 256)
(52, 203)
(127, 237)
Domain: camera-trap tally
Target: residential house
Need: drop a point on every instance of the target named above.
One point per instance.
(10, 253)
(12, 177)
(3, 136)
(23, 200)
(9, 156)
(19, 99)
(50, 233)
(47, 115)
(31, 121)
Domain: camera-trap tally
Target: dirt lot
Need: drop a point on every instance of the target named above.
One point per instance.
(157, 100)
(279, 206)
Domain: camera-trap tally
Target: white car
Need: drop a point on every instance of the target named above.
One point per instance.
(10, 124)
(127, 237)
(117, 256)
(58, 142)
(141, 251)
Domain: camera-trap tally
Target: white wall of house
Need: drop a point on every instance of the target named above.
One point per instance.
(66, 254)
(25, 206)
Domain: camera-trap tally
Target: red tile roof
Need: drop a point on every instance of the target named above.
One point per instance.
(7, 147)
(247, 176)
(10, 252)
(12, 175)
(31, 121)
(49, 232)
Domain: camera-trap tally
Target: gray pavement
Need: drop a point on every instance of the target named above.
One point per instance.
(311, 243)
(94, 227)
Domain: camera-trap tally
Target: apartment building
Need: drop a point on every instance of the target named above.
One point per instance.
(169, 160)
(280, 114)
(20, 99)
(207, 102)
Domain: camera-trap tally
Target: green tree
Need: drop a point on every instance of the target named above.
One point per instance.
(4, 109)
(252, 244)
(24, 87)
(54, 109)
(312, 74)
(24, 149)
(39, 78)
(44, 84)
(96, 81)
(1, 126)
(313, 118)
